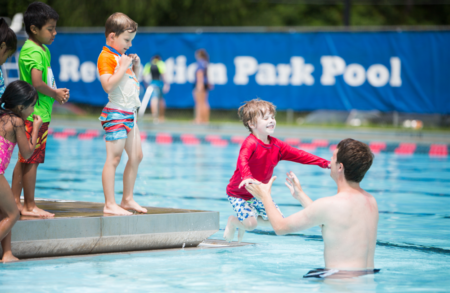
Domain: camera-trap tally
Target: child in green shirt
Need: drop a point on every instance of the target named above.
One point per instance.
(34, 68)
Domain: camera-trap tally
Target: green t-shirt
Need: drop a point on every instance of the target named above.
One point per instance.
(32, 56)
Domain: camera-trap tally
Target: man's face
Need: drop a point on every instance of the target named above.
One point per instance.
(45, 35)
(265, 125)
(123, 42)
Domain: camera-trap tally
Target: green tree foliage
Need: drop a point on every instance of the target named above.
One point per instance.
(81, 13)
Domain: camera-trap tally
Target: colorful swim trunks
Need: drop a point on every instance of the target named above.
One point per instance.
(38, 155)
(249, 208)
(117, 123)
(338, 274)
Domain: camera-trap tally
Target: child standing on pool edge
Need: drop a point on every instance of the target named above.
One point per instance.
(118, 78)
(34, 68)
(258, 156)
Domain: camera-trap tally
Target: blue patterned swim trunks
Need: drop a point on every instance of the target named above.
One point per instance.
(249, 208)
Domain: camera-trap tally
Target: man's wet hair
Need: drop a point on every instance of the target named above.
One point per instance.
(250, 111)
(38, 14)
(119, 23)
(356, 158)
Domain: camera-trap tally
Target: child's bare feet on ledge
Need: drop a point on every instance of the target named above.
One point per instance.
(9, 257)
(132, 205)
(35, 212)
(116, 210)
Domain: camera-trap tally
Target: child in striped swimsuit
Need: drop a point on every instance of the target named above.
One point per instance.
(118, 78)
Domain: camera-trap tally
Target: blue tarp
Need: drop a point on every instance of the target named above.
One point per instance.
(386, 71)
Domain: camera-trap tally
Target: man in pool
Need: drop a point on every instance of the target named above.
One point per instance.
(348, 219)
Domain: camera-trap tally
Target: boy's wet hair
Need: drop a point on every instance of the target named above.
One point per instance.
(38, 14)
(7, 36)
(118, 23)
(356, 157)
(254, 108)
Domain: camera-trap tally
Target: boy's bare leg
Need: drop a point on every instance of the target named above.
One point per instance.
(134, 151)
(248, 224)
(7, 253)
(8, 217)
(29, 172)
(114, 151)
(16, 185)
(263, 223)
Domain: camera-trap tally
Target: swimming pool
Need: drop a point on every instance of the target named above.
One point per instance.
(413, 194)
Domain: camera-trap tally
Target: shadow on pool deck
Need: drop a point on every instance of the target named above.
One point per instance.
(68, 209)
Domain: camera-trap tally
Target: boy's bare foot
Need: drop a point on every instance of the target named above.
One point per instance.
(116, 210)
(8, 257)
(228, 235)
(19, 206)
(35, 212)
(241, 233)
(132, 205)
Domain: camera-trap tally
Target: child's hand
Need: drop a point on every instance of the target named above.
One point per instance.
(125, 60)
(37, 122)
(136, 59)
(293, 184)
(249, 181)
(62, 96)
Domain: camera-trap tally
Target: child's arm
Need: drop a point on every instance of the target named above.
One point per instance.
(111, 81)
(26, 147)
(61, 95)
(289, 153)
(245, 153)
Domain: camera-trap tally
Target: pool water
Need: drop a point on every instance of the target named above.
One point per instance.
(413, 250)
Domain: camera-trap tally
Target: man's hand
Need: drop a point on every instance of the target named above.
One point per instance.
(294, 185)
(249, 181)
(62, 95)
(261, 191)
(126, 60)
(37, 122)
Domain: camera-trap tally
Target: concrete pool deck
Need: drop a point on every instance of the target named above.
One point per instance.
(82, 228)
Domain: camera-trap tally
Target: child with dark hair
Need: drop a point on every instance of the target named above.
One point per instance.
(16, 104)
(258, 157)
(8, 45)
(34, 68)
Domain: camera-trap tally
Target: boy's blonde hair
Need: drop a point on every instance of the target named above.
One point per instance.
(254, 108)
(118, 23)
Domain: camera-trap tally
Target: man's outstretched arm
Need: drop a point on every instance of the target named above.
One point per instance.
(307, 218)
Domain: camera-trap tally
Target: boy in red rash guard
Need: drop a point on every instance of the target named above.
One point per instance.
(259, 155)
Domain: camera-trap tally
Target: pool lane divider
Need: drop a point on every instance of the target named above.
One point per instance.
(377, 147)
(82, 228)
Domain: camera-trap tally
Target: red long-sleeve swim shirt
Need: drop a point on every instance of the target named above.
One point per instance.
(257, 160)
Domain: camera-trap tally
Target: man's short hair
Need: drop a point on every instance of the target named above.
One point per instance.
(118, 23)
(356, 158)
(38, 14)
(254, 108)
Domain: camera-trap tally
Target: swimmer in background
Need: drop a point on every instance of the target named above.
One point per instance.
(156, 70)
(258, 156)
(201, 88)
(16, 105)
(348, 220)
(118, 78)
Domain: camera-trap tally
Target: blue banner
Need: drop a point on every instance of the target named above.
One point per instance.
(385, 71)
